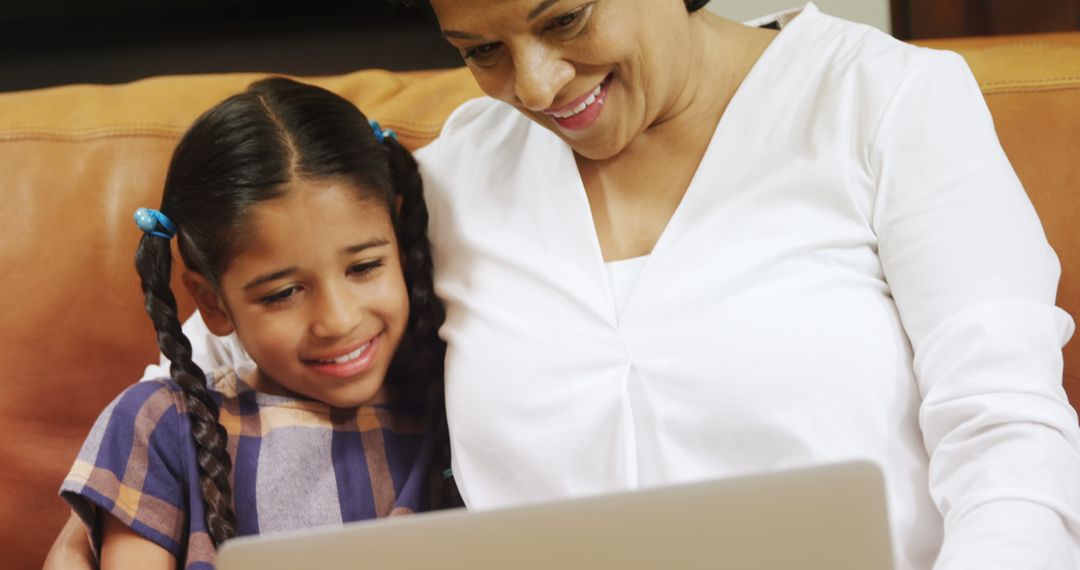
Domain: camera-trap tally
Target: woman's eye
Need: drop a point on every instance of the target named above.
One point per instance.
(280, 297)
(481, 53)
(365, 268)
(563, 21)
(568, 20)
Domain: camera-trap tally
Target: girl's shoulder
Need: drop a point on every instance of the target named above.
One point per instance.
(151, 397)
(222, 383)
(156, 409)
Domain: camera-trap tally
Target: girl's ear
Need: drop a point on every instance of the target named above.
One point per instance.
(209, 302)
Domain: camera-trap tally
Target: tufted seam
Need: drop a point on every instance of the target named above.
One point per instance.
(156, 131)
(60, 136)
(1067, 78)
(1019, 87)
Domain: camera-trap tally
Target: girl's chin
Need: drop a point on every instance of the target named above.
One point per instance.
(356, 397)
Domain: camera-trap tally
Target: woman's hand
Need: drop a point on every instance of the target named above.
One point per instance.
(71, 550)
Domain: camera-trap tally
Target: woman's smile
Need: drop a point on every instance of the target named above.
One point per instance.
(584, 111)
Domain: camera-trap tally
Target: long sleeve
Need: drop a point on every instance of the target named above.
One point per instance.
(974, 280)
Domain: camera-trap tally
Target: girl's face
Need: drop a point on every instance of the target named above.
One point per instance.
(595, 72)
(315, 294)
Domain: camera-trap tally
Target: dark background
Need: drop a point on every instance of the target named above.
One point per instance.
(914, 19)
(54, 42)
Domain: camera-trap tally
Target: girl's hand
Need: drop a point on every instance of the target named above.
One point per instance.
(71, 550)
(122, 547)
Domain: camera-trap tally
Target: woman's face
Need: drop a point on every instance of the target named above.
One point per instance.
(595, 72)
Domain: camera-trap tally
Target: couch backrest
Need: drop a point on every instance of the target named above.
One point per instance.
(76, 161)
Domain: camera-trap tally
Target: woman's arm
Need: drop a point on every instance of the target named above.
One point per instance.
(123, 548)
(71, 550)
(974, 281)
(210, 352)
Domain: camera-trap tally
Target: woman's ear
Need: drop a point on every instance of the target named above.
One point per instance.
(209, 302)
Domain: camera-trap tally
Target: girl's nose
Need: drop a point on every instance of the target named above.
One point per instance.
(540, 74)
(336, 314)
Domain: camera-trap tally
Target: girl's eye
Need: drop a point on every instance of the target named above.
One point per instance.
(280, 297)
(481, 53)
(365, 268)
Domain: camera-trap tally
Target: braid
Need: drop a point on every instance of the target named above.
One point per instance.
(426, 314)
(154, 263)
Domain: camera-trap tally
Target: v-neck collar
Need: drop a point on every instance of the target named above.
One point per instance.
(590, 258)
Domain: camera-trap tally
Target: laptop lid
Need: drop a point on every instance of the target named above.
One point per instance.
(831, 517)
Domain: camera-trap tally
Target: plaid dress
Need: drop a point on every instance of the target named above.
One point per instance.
(296, 464)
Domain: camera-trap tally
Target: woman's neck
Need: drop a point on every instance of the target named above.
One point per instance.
(720, 54)
(633, 194)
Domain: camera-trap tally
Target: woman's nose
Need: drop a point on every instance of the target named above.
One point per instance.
(540, 74)
(335, 314)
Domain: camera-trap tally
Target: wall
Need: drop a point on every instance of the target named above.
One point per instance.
(873, 12)
(56, 42)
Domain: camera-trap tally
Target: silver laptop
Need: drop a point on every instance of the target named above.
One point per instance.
(830, 517)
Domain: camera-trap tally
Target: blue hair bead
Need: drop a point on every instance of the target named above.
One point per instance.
(144, 220)
(380, 133)
(154, 223)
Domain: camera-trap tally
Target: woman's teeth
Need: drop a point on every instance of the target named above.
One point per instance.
(348, 357)
(581, 106)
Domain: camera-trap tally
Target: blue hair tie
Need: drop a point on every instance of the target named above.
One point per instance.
(380, 134)
(151, 221)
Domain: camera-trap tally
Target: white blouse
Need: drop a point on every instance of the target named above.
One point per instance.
(855, 272)
(622, 275)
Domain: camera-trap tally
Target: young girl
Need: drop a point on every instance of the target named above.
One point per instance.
(303, 231)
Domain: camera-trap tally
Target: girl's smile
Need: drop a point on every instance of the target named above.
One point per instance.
(347, 362)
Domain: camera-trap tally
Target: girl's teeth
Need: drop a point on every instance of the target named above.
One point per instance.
(348, 357)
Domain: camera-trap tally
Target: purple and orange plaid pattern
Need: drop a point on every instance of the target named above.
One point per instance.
(296, 464)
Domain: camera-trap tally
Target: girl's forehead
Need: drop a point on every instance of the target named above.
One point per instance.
(311, 217)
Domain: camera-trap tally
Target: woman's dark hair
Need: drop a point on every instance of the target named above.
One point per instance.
(244, 151)
(691, 5)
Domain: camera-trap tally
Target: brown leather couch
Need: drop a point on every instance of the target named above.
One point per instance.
(76, 161)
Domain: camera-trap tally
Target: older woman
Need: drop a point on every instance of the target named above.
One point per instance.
(674, 247)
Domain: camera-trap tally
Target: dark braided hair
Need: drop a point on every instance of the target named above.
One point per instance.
(154, 262)
(245, 151)
(421, 354)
